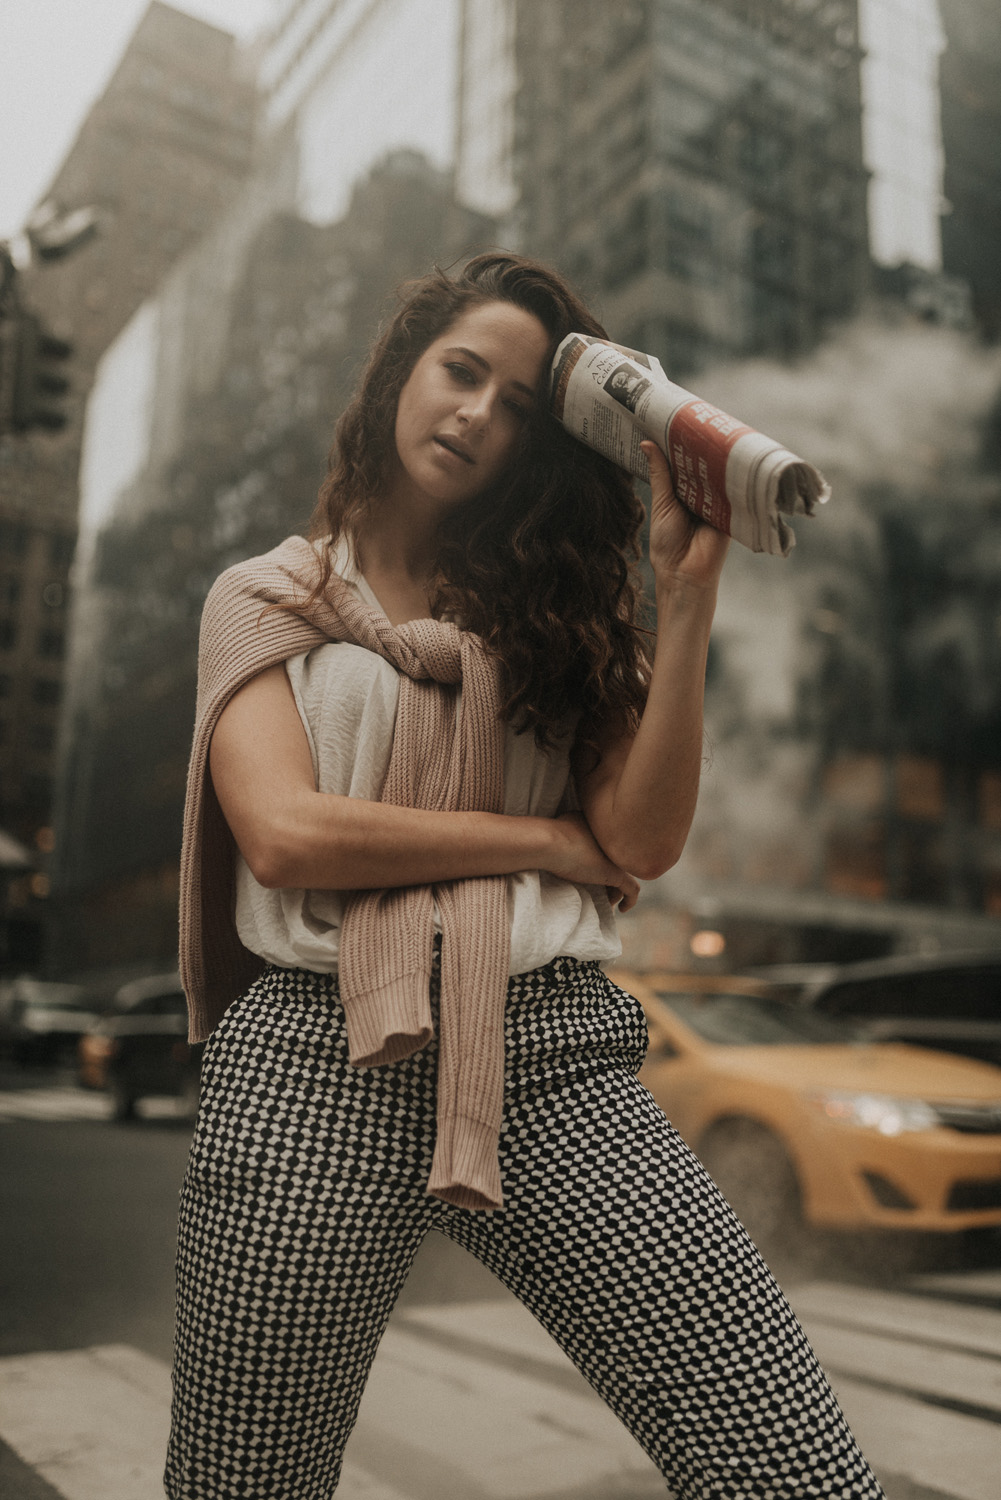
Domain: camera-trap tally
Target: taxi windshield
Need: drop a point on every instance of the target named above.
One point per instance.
(755, 1021)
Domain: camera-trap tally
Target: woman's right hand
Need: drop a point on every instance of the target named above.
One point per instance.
(579, 858)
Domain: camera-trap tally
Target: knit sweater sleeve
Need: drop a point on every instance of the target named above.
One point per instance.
(239, 638)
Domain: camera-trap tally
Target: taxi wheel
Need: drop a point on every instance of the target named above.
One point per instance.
(753, 1172)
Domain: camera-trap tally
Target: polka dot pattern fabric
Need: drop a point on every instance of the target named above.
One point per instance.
(305, 1203)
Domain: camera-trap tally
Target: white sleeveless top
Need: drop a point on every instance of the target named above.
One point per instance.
(347, 699)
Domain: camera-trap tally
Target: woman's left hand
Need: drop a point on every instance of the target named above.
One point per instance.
(682, 548)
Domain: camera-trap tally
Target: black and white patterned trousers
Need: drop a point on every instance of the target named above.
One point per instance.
(304, 1205)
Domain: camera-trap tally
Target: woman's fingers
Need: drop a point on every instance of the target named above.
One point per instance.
(624, 893)
(660, 471)
(584, 862)
(681, 545)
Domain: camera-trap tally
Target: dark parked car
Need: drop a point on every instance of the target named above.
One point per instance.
(41, 1021)
(142, 1048)
(951, 1003)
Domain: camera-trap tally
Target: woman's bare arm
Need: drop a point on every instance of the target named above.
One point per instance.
(640, 799)
(291, 835)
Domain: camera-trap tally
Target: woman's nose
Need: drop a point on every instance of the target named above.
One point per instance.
(476, 407)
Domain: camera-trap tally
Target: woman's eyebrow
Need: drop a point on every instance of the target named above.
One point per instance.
(485, 365)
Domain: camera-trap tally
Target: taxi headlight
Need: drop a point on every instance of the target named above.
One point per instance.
(881, 1112)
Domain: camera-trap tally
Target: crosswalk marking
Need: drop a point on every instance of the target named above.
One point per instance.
(911, 1318)
(937, 1450)
(970, 1380)
(92, 1422)
(476, 1399)
(496, 1432)
(62, 1104)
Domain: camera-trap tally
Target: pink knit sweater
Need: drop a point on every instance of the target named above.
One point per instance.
(440, 759)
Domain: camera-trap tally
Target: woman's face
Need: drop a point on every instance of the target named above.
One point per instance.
(462, 410)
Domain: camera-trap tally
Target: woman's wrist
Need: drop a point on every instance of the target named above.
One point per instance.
(677, 591)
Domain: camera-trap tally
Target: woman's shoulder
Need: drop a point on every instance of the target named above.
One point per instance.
(290, 558)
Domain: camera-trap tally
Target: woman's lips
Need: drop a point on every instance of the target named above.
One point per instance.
(455, 448)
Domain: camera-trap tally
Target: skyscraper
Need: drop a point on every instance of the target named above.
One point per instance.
(696, 165)
(164, 145)
(168, 139)
(971, 134)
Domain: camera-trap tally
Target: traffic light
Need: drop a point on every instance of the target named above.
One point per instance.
(38, 385)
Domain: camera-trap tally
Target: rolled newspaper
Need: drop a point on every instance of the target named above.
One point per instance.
(737, 479)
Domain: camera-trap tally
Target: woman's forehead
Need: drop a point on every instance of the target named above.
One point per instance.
(502, 335)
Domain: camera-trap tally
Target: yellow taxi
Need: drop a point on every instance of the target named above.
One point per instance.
(800, 1122)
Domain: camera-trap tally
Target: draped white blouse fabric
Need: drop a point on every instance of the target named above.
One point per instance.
(347, 699)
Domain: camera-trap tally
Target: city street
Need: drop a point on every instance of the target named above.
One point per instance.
(469, 1397)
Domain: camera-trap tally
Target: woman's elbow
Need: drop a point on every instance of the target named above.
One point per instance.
(273, 854)
(646, 859)
(267, 862)
(653, 863)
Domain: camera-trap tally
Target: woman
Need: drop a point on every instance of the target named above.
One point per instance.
(428, 828)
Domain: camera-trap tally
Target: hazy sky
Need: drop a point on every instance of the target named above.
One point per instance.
(57, 57)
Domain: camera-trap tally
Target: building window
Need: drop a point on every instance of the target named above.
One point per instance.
(13, 538)
(690, 240)
(38, 791)
(625, 30)
(46, 690)
(764, 155)
(626, 252)
(680, 348)
(773, 253)
(62, 546)
(773, 319)
(50, 643)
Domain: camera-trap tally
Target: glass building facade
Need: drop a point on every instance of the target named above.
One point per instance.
(697, 167)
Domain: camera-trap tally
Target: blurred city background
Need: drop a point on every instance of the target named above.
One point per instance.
(796, 205)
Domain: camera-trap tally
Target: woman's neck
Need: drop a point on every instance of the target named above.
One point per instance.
(397, 558)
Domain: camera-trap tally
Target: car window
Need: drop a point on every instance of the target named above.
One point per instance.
(755, 1021)
(970, 994)
(173, 1004)
(170, 1004)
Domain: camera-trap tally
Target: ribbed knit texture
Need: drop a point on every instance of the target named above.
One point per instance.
(441, 759)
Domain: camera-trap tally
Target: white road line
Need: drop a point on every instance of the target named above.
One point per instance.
(487, 1430)
(898, 1434)
(941, 1450)
(971, 1378)
(60, 1105)
(502, 1324)
(54, 1104)
(909, 1317)
(963, 1284)
(93, 1422)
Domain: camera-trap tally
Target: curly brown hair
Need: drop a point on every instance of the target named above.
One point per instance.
(542, 564)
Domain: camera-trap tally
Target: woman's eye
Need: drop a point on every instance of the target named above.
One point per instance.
(518, 408)
(461, 373)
